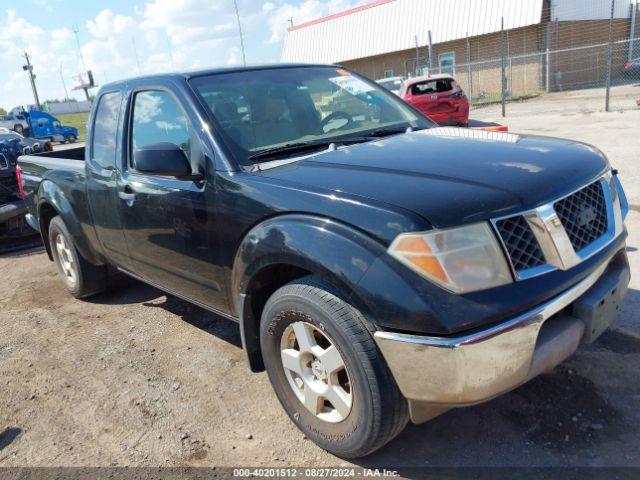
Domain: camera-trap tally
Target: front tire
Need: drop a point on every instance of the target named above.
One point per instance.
(80, 278)
(327, 371)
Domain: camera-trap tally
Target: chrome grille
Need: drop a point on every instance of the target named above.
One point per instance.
(583, 215)
(519, 241)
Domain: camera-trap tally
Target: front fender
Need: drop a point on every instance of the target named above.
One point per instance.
(51, 194)
(322, 246)
(325, 247)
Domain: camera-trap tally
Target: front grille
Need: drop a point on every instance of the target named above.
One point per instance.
(583, 215)
(522, 246)
(3, 162)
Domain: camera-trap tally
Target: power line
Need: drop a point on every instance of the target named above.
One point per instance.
(244, 58)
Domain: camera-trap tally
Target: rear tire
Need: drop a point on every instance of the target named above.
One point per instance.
(71, 138)
(80, 278)
(18, 129)
(369, 409)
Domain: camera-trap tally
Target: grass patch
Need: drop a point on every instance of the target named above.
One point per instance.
(78, 120)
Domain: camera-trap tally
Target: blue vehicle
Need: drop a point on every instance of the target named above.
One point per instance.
(43, 125)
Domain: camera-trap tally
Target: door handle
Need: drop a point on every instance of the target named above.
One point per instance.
(127, 195)
(130, 197)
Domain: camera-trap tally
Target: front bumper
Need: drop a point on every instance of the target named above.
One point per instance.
(439, 373)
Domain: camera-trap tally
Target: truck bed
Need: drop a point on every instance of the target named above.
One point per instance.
(76, 153)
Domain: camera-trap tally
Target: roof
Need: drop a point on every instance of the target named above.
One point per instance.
(186, 75)
(426, 78)
(341, 14)
(387, 26)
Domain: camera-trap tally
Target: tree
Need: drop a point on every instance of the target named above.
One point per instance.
(2, 111)
(55, 100)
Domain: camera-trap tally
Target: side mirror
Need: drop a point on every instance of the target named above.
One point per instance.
(162, 159)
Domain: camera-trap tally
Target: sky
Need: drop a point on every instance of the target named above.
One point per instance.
(126, 38)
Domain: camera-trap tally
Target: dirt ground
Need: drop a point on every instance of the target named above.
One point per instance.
(136, 378)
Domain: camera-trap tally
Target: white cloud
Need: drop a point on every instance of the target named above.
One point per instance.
(108, 24)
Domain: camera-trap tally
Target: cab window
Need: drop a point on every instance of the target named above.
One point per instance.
(105, 129)
(157, 117)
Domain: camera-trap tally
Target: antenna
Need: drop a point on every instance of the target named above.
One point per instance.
(244, 59)
(135, 52)
(75, 32)
(170, 51)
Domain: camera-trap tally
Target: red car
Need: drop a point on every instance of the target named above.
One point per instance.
(439, 97)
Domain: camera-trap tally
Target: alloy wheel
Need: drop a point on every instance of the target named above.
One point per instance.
(65, 258)
(316, 372)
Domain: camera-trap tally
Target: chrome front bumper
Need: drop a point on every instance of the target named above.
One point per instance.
(436, 374)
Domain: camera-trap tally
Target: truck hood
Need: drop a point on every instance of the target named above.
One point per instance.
(452, 176)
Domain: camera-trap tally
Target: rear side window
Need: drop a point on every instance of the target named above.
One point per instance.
(105, 130)
(157, 117)
(432, 86)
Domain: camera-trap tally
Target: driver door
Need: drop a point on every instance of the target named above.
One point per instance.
(168, 221)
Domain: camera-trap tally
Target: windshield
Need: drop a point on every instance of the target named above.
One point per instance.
(262, 111)
(391, 85)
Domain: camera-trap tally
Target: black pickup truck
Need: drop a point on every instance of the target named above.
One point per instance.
(381, 268)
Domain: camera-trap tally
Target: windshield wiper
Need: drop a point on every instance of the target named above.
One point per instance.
(385, 132)
(379, 133)
(291, 148)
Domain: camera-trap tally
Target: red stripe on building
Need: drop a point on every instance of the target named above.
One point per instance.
(377, 3)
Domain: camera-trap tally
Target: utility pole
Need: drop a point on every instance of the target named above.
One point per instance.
(64, 85)
(32, 78)
(291, 22)
(244, 58)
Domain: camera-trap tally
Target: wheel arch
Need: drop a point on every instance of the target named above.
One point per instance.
(286, 248)
(53, 202)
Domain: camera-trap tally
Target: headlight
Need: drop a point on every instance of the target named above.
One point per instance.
(462, 260)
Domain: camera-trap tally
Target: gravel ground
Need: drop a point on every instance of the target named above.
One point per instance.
(137, 378)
